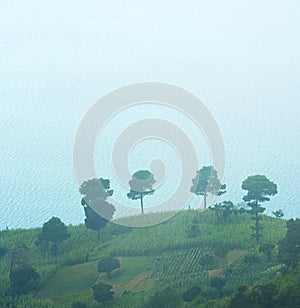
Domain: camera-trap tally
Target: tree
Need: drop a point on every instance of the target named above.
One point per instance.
(103, 292)
(94, 221)
(278, 214)
(141, 185)
(107, 265)
(24, 278)
(166, 298)
(218, 283)
(207, 182)
(97, 210)
(191, 294)
(96, 189)
(289, 247)
(54, 231)
(259, 188)
(224, 210)
(267, 249)
(21, 275)
(259, 296)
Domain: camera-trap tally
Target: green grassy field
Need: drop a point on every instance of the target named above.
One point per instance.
(70, 280)
(132, 276)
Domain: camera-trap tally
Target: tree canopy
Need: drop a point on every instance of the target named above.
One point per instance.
(289, 247)
(259, 188)
(103, 292)
(96, 209)
(207, 182)
(107, 265)
(141, 185)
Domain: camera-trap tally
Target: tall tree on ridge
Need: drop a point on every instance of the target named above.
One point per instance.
(141, 185)
(259, 188)
(97, 210)
(207, 182)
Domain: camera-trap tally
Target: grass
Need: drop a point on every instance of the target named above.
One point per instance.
(74, 280)
(133, 275)
(70, 280)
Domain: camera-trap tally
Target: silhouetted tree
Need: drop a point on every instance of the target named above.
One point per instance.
(96, 209)
(141, 185)
(103, 292)
(54, 232)
(278, 214)
(107, 265)
(207, 182)
(224, 210)
(259, 188)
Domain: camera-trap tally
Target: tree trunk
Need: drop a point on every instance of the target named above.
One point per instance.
(205, 201)
(142, 205)
(256, 223)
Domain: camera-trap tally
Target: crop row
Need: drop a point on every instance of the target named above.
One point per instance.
(179, 262)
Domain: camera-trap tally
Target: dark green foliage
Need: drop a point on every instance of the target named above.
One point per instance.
(224, 210)
(23, 279)
(251, 258)
(97, 210)
(94, 221)
(95, 189)
(141, 185)
(79, 305)
(258, 188)
(207, 182)
(166, 298)
(191, 294)
(103, 292)
(3, 252)
(218, 283)
(107, 265)
(278, 214)
(289, 247)
(260, 296)
(54, 231)
(267, 249)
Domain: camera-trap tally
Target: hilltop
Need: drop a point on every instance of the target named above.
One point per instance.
(182, 254)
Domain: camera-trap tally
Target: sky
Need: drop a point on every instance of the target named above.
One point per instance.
(57, 58)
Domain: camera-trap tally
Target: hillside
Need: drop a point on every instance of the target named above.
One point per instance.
(162, 257)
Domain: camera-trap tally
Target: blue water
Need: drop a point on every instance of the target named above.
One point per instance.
(240, 59)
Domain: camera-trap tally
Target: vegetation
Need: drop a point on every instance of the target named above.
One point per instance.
(259, 188)
(195, 259)
(141, 185)
(207, 182)
(97, 211)
(107, 265)
(103, 292)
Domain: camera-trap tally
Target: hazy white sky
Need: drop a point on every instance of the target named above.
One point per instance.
(57, 58)
(126, 41)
